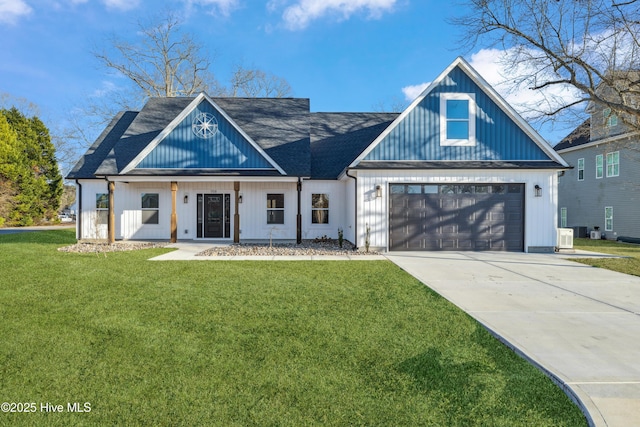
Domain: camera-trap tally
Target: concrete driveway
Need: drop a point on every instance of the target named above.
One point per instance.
(578, 323)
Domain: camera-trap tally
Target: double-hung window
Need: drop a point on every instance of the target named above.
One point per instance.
(599, 166)
(563, 217)
(320, 208)
(608, 218)
(610, 119)
(580, 169)
(150, 208)
(102, 208)
(457, 119)
(275, 208)
(613, 164)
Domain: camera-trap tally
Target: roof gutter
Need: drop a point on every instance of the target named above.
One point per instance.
(355, 182)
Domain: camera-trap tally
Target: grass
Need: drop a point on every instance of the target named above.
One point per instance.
(628, 265)
(249, 343)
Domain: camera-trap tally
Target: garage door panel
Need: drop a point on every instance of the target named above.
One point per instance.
(457, 217)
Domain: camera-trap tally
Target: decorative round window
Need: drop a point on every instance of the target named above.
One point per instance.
(204, 125)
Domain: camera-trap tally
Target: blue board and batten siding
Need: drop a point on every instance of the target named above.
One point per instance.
(182, 149)
(417, 137)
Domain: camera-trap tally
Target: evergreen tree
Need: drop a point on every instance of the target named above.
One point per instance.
(28, 170)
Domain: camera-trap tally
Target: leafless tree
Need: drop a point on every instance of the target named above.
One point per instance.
(589, 45)
(166, 62)
(253, 83)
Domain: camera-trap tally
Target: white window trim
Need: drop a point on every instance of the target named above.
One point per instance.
(610, 118)
(581, 169)
(613, 164)
(283, 209)
(100, 210)
(317, 224)
(471, 141)
(605, 218)
(601, 156)
(150, 225)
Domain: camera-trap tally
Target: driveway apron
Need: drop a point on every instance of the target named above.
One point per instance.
(579, 324)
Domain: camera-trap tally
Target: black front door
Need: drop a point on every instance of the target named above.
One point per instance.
(214, 215)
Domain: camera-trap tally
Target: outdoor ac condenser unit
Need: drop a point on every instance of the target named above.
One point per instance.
(565, 238)
(595, 235)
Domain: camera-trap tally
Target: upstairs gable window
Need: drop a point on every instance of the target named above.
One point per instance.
(457, 119)
(610, 119)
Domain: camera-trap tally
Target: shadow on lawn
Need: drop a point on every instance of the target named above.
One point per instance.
(54, 237)
(490, 388)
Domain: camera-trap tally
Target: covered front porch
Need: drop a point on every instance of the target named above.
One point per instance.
(227, 209)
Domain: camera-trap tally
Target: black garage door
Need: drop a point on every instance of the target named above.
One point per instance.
(456, 217)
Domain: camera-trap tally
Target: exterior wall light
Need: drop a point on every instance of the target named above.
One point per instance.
(537, 191)
(240, 198)
(186, 198)
(378, 191)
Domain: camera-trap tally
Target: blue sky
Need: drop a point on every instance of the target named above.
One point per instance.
(345, 55)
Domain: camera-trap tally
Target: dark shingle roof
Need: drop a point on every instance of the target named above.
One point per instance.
(339, 138)
(280, 126)
(96, 154)
(579, 136)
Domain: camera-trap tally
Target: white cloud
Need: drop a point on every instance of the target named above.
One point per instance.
(121, 4)
(412, 92)
(224, 7)
(11, 10)
(512, 83)
(299, 15)
(106, 88)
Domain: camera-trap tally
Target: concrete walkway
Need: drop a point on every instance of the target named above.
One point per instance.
(578, 323)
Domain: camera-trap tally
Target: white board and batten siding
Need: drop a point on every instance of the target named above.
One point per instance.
(88, 215)
(253, 211)
(540, 212)
(338, 212)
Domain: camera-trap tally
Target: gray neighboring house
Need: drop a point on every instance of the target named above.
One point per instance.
(602, 191)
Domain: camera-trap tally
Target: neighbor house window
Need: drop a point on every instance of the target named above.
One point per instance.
(610, 119)
(563, 217)
(457, 119)
(599, 166)
(275, 208)
(608, 218)
(320, 209)
(580, 169)
(613, 164)
(150, 208)
(102, 208)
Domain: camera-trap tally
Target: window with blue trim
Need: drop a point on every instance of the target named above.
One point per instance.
(457, 119)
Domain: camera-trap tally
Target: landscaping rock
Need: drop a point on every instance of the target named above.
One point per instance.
(307, 247)
(95, 247)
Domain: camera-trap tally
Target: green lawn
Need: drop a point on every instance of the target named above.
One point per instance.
(249, 344)
(629, 265)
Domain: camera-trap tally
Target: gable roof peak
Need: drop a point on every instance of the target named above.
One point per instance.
(485, 87)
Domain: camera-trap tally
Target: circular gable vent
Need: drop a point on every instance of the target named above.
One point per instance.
(204, 125)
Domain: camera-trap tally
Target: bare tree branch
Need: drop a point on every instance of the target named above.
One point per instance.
(590, 45)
